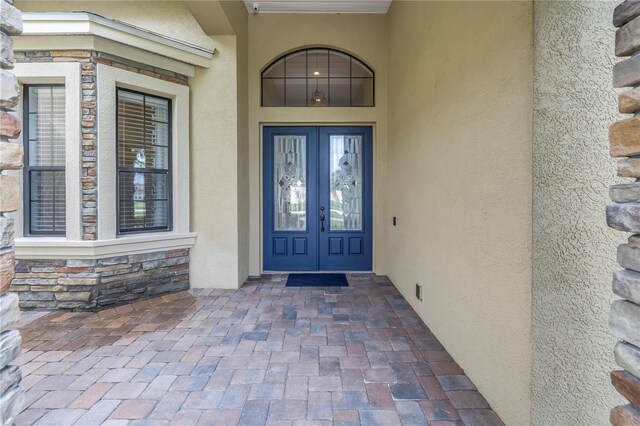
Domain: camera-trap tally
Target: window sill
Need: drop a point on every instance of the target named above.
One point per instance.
(61, 248)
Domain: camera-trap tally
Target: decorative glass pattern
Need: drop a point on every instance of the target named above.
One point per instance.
(345, 190)
(144, 140)
(45, 135)
(317, 77)
(290, 183)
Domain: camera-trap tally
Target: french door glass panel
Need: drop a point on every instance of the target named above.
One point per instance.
(290, 183)
(345, 176)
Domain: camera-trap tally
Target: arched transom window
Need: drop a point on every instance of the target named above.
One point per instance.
(317, 77)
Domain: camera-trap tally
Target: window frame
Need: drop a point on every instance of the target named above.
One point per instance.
(168, 171)
(306, 78)
(27, 168)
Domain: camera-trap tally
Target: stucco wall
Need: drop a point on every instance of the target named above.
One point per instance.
(460, 111)
(574, 251)
(364, 36)
(214, 170)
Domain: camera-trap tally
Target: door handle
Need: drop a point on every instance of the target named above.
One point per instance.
(322, 219)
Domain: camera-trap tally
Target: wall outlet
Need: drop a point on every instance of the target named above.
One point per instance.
(419, 292)
(394, 221)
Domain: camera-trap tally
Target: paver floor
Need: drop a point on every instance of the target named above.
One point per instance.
(263, 354)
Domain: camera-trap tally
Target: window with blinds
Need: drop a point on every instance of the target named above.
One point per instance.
(144, 162)
(44, 171)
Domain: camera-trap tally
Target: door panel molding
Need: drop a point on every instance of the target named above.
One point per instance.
(349, 206)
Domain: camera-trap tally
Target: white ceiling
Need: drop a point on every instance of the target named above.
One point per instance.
(319, 6)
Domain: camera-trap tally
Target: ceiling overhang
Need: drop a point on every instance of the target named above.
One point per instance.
(84, 30)
(314, 6)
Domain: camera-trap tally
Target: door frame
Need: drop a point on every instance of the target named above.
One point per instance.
(374, 198)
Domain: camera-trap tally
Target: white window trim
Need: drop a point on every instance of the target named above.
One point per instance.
(58, 248)
(57, 27)
(110, 78)
(108, 244)
(67, 73)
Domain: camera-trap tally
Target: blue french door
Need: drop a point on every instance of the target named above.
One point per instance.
(317, 198)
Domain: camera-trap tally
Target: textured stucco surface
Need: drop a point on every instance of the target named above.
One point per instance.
(365, 36)
(573, 250)
(460, 122)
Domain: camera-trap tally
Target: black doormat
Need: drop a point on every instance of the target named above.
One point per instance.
(317, 280)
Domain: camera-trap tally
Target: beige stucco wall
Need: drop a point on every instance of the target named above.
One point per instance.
(364, 36)
(214, 170)
(240, 21)
(574, 250)
(460, 111)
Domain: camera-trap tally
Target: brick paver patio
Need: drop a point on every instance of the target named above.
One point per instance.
(261, 354)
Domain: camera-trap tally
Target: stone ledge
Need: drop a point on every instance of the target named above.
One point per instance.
(625, 415)
(626, 284)
(10, 19)
(9, 346)
(629, 101)
(11, 154)
(624, 136)
(625, 12)
(6, 51)
(9, 89)
(7, 259)
(9, 194)
(9, 377)
(7, 232)
(629, 167)
(624, 321)
(11, 402)
(10, 310)
(628, 38)
(628, 357)
(627, 385)
(625, 193)
(627, 72)
(624, 217)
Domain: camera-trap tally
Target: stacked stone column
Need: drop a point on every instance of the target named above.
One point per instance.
(624, 215)
(11, 157)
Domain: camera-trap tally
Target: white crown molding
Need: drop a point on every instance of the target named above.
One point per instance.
(64, 24)
(314, 6)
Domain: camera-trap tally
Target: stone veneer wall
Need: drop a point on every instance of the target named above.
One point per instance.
(11, 158)
(94, 284)
(89, 60)
(624, 215)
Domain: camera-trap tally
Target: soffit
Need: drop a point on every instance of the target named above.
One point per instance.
(314, 6)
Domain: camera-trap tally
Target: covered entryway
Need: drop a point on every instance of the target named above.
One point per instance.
(317, 198)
